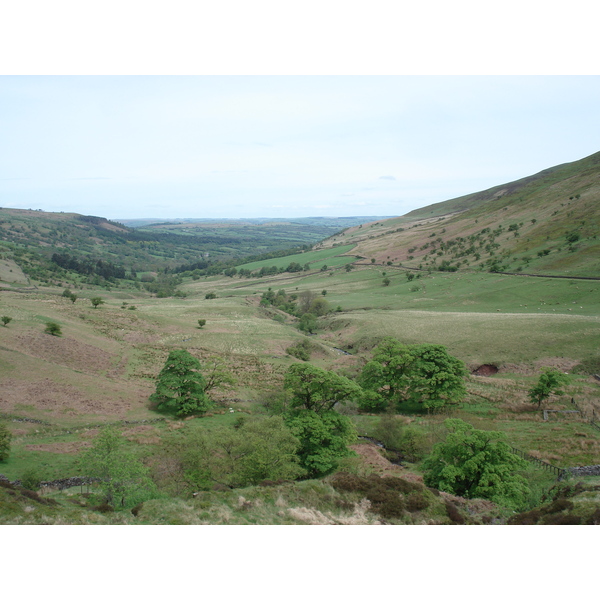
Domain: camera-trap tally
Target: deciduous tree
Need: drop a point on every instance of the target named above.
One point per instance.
(96, 302)
(318, 390)
(425, 373)
(550, 381)
(122, 478)
(180, 387)
(324, 439)
(476, 464)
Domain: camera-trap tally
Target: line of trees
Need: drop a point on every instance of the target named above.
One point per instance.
(89, 266)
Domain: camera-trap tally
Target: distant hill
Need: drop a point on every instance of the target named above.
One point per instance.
(547, 223)
(332, 224)
(38, 242)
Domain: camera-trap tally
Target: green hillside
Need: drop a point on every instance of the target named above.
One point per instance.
(546, 224)
(465, 289)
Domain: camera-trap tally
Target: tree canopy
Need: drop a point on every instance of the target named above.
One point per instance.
(324, 439)
(180, 387)
(122, 478)
(550, 381)
(425, 373)
(476, 464)
(317, 389)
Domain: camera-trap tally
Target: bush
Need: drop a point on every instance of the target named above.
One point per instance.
(5, 437)
(210, 296)
(301, 350)
(6, 320)
(31, 479)
(53, 329)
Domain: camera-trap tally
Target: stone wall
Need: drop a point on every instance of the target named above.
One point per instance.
(589, 471)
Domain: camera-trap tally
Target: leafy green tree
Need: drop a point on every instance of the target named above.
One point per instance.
(5, 437)
(387, 371)
(308, 323)
(31, 479)
(216, 375)
(66, 293)
(324, 439)
(180, 387)
(123, 480)
(201, 323)
(210, 296)
(423, 373)
(6, 320)
(476, 464)
(301, 350)
(386, 281)
(319, 307)
(436, 377)
(53, 329)
(550, 381)
(96, 302)
(73, 298)
(318, 390)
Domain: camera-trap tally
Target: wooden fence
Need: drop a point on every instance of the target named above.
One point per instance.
(560, 473)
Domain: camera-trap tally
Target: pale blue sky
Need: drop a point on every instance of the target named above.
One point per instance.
(281, 146)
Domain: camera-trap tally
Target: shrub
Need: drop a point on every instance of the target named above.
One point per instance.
(53, 329)
(454, 514)
(301, 350)
(96, 301)
(31, 479)
(6, 320)
(416, 502)
(5, 437)
(210, 296)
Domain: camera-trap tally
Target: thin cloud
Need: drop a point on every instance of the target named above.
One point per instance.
(389, 177)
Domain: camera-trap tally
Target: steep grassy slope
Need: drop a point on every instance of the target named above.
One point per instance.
(544, 224)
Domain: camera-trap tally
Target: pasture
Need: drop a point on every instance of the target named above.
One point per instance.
(103, 367)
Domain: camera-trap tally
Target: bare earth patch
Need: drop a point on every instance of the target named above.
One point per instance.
(381, 465)
(48, 395)
(59, 447)
(64, 351)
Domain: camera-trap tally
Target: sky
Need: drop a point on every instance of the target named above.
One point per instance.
(231, 146)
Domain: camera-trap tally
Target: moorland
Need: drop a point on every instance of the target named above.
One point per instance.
(505, 282)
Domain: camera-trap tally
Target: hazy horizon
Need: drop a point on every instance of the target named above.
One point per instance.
(163, 147)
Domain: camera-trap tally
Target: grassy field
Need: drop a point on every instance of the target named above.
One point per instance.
(315, 258)
(56, 390)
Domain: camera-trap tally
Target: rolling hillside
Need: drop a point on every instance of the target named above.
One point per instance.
(546, 224)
